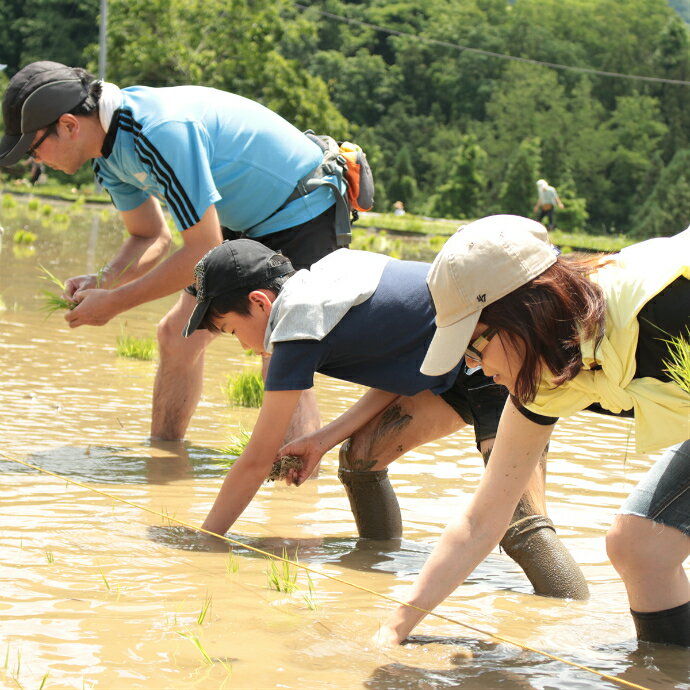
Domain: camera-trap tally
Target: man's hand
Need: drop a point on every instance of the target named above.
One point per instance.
(94, 308)
(84, 282)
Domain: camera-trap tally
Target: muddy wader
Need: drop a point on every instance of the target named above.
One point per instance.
(531, 539)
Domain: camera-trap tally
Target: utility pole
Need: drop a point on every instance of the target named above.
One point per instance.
(102, 36)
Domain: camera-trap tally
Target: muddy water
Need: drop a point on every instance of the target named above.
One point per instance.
(96, 593)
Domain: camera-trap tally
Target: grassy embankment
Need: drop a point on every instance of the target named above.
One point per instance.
(390, 229)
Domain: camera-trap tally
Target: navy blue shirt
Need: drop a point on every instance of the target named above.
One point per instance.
(380, 343)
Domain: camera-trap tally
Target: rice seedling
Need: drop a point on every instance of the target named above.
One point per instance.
(245, 390)
(50, 557)
(204, 610)
(678, 365)
(8, 201)
(194, 639)
(282, 574)
(52, 301)
(47, 210)
(237, 444)
(168, 517)
(33, 204)
(24, 237)
(310, 596)
(43, 682)
(135, 348)
(232, 563)
(104, 578)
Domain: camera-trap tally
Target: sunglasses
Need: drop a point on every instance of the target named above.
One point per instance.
(31, 151)
(476, 347)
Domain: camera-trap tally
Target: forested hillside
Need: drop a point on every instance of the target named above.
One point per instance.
(453, 126)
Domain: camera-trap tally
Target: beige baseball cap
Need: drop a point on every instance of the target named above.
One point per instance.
(482, 262)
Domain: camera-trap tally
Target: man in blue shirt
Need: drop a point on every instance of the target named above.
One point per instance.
(369, 319)
(224, 166)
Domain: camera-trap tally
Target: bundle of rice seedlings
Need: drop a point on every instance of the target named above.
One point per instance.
(53, 301)
(245, 390)
(135, 348)
(24, 237)
(678, 365)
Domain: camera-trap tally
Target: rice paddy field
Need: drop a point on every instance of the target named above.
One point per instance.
(103, 586)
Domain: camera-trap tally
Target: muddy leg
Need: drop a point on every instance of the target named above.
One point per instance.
(405, 424)
(531, 541)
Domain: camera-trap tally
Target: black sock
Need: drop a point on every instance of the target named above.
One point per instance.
(671, 626)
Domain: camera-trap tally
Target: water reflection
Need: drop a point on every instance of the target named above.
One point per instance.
(158, 463)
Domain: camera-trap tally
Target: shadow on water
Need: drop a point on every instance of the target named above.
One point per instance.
(158, 462)
(399, 556)
(472, 664)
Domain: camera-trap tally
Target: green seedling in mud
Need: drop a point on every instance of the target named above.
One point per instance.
(232, 563)
(52, 300)
(282, 574)
(24, 237)
(236, 445)
(310, 596)
(187, 635)
(168, 518)
(43, 682)
(204, 610)
(245, 390)
(50, 557)
(104, 578)
(135, 348)
(678, 365)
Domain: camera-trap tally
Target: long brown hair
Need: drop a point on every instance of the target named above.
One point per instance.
(548, 318)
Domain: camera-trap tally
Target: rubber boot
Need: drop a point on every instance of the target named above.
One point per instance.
(533, 544)
(531, 541)
(372, 500)
(671, 626)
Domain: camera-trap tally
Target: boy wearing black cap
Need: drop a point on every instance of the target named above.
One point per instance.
(205, 153)
(368, 319)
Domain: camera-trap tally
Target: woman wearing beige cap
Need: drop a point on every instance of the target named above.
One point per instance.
(564, 335)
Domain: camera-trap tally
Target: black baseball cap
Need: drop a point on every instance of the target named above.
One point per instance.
(232, 268)
(35, 98)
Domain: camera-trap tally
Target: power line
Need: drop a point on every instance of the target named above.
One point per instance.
(490, 53)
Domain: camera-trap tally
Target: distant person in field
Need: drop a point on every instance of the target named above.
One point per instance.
(547, 200)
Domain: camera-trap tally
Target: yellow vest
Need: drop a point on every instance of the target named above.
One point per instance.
(662, 409)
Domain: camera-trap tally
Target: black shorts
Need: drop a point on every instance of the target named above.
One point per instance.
(303, 244)
(478, 400)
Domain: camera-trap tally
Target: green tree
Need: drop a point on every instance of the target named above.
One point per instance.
(56, 30)
(667, 208)
(403, 185)
(461, 195)
(228, 45)
(518, 191)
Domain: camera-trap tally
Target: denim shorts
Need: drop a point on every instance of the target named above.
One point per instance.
(663, 495)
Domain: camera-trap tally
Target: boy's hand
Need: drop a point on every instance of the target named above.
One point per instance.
(310, 451)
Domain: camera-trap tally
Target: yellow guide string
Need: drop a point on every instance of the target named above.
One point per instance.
(307, 568)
